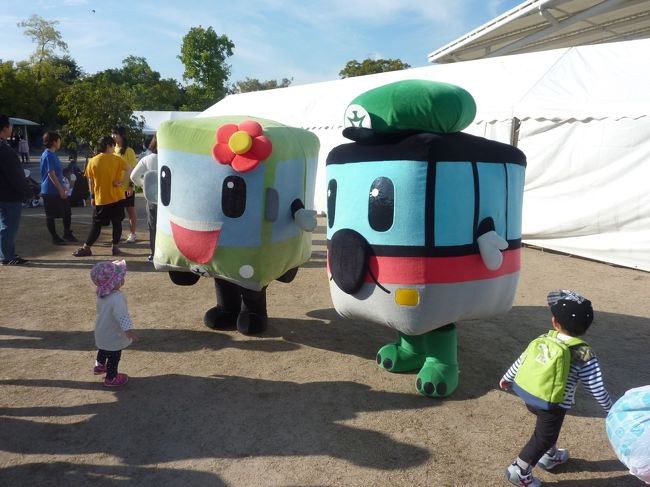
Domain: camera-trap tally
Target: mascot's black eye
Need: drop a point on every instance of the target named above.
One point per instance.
(233, 196)
(165, 185)
(331, 202)
(381, 204)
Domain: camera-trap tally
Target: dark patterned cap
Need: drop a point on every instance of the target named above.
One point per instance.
(572, 311)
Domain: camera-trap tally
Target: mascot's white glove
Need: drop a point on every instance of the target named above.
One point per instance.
(490, 245)
(306, 219)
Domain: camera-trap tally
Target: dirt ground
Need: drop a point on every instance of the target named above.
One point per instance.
(302, 405)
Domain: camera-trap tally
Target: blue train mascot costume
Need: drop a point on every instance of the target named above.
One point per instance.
(423, 224)
(628, 430)
(231, 195)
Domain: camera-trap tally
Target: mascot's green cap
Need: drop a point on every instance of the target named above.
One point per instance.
(409, 106)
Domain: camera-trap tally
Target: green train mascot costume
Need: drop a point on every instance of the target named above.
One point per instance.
(423, 224)
(231, 195)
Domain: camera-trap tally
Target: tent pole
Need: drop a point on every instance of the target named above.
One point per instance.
(514, 131)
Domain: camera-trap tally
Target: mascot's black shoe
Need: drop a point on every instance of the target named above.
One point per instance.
(251, 323)
(219, 319)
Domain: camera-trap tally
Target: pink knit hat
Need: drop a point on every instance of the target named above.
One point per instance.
(107, 275)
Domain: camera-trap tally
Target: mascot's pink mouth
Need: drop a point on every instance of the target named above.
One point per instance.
(196, 240)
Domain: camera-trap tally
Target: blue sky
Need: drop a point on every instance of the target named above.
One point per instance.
(307, 40)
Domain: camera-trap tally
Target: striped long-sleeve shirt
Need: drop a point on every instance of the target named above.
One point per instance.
(586, 372)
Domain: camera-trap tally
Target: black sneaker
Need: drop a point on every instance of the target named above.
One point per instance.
(82, 252)
(56, 240)
(15, 261)
(70, 237)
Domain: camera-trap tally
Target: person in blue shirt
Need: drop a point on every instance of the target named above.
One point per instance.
(55, 197)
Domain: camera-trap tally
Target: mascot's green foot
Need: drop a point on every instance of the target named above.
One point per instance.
(396, 358)
(439, 375)
(437, 379)
(434, 353)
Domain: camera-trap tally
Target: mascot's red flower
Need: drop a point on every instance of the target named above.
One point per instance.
(242, 146)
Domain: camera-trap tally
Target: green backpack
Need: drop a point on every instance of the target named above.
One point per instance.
(542, 376)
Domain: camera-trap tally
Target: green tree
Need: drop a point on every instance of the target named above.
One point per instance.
(371, 66)
(204, 54)
(252, 84)
(66, 69)
(12, 99)
(150, 91)
(46, 37)
(46, 74)
(23, 95)
(47, 85)
(93, 107)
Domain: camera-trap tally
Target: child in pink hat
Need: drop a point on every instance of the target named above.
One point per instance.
(113, 326)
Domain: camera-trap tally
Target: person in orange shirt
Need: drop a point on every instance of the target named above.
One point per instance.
(107, 174)
(127, 154)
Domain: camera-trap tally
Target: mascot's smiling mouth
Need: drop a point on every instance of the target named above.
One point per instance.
(196, 240)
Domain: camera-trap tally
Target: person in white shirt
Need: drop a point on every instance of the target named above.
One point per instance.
(146, 164)
(23, 150)
(113, 325)
(68, 181)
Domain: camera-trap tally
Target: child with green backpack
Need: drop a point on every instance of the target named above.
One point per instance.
(546, 375)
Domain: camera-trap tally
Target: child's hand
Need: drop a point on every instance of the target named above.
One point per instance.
(131, 334)
(504, 384)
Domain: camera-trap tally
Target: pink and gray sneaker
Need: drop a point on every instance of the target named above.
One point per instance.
(99, 369)
(548, 462)
(117, 381)
(516, 477)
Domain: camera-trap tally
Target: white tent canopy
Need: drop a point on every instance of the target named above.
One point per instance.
(538, 25)
(25, 123)
(21, 121)
(583, 120)
(153, 118)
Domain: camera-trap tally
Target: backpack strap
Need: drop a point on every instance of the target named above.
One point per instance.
(581, 353)
(580, 350)
(571, 342)
(574, 342)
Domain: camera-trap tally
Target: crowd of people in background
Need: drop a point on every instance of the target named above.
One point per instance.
(108, 183)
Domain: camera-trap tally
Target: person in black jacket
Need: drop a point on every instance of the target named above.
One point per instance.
(13, 190)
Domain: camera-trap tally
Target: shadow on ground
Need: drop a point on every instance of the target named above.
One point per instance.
(486, 348)
(621, 481)
(151, 340)
(81, 475)
(231, 417)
